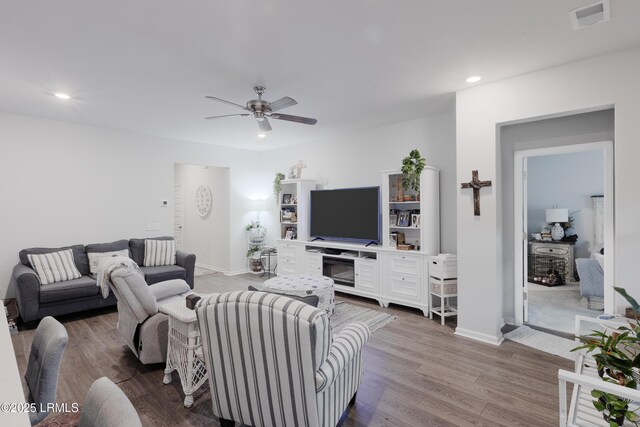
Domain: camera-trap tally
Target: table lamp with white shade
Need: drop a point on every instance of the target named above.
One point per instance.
(557, 216)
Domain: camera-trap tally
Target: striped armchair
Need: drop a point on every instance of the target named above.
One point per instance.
(273, 360)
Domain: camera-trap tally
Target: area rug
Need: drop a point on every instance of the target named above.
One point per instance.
(348, 313)
(543, 341)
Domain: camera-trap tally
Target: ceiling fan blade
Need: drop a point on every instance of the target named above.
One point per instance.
(297, 119)
(264, 124)
(227, 102)
(228, 115)
(281, 103)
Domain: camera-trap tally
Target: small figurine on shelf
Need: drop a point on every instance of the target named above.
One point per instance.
(298, 168)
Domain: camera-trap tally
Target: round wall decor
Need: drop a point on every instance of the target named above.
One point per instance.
(204, 200)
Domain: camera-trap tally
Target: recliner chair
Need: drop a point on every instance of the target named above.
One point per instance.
(273, 361)
(140, 323)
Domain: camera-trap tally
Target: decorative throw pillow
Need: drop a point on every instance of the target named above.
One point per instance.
(312, 300)
(96, 257)
(54, 267)
(159, 252)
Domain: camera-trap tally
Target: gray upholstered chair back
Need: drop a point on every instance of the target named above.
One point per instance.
(107, 406)
(131, 290)
(44, 364)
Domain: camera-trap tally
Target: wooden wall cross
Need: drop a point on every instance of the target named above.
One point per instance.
(476, 184)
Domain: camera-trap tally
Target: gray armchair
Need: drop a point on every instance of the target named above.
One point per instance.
(41, 376)
(142, 326)
(107, 406)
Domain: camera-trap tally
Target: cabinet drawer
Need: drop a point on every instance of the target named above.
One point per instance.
(406, 287)
(404, 264)
(546, 250)
(287, 250)
(286, 265)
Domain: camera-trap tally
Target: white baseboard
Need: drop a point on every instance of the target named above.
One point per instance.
(489, 339)
(236, 272)
(210, 267)
(508, 321)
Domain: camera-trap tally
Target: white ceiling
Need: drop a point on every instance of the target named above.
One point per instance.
(146, 65)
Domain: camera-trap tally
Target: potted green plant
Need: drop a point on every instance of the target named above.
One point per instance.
(277, 186)
(412, 167)
(617, 357)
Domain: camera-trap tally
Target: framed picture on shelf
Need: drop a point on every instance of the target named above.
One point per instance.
(415, 220)
(293, 201)
(290, 233)
(393, 219)
(400, 239)
(286, 199)
(403, 219)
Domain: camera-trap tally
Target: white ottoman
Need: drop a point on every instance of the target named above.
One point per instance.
(304, 285)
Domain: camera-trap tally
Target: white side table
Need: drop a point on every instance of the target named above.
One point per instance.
(443, 283)
(182, 348)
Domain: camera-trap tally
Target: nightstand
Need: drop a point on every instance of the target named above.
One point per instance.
(561, 250)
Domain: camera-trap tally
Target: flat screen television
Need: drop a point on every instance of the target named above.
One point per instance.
(351, 214)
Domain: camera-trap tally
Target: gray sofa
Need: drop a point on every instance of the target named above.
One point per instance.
(36, 302)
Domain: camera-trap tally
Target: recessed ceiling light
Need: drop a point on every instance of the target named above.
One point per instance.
(473, 79)
(262, 135)
(61, 95)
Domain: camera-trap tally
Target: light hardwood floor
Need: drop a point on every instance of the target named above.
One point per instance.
(417, 373)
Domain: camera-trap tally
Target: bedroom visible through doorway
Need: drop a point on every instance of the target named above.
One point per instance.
(563, 200)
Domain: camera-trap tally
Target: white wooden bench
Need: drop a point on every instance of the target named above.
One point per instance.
(581, 411)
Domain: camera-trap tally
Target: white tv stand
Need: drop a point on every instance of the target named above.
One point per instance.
(384, 274)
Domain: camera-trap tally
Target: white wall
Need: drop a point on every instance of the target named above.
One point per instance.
(566, 181)
(64, 183)
(357, 159)
(207, 237)
(595, 83)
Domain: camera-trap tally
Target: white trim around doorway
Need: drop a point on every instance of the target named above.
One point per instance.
(609, 227)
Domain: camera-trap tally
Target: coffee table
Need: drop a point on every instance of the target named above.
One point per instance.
(184, 348)
(304, 285)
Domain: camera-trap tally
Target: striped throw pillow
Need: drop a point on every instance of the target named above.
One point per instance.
(54, 267)
(159, 252)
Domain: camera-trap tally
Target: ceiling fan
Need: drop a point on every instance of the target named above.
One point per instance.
(262, 110)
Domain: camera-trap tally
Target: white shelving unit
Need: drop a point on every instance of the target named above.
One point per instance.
(443, 284)
(299, 190)
(427, 234)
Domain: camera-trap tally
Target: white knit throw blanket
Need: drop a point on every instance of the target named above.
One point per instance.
(106, 267)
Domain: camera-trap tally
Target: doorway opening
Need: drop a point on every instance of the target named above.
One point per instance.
(563, 218)
(201, 215)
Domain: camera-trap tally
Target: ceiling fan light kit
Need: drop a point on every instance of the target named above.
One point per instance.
(262, 110)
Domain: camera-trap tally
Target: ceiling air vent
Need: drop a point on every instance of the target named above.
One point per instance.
(592, 14)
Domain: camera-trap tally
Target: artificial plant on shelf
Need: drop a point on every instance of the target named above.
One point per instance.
(617, 357)
(277, 185)
(256, 231)
(412, 167)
